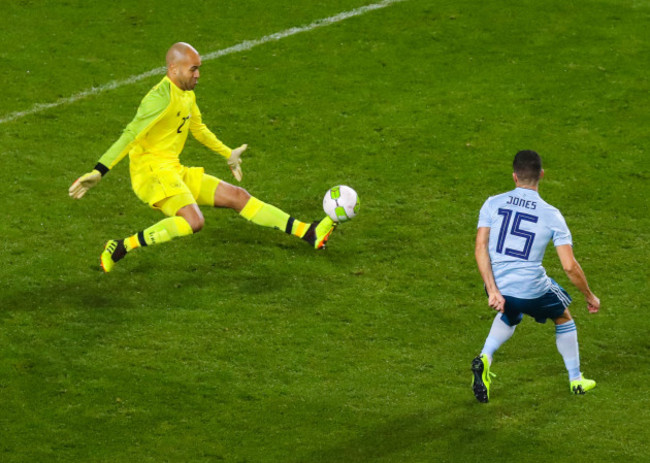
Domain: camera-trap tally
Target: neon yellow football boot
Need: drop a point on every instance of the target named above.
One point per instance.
(481, 382)
(319, 232)
(114, 250)
(582, 385)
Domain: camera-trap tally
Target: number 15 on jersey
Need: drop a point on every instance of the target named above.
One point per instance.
(515, 230)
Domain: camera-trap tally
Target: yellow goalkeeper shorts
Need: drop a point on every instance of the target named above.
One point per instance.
(169, 190)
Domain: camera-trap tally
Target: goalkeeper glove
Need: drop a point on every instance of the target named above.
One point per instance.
(234, 161)
(84, 183)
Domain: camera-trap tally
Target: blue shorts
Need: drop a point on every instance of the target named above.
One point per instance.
(550, 305)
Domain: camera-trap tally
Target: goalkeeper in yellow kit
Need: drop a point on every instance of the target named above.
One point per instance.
(154, 141)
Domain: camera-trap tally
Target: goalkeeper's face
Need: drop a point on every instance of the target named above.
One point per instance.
(188, 71)
(183, 63)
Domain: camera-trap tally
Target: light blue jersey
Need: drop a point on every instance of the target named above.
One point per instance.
(521, 224)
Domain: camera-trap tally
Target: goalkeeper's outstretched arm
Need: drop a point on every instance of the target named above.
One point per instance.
(151, 108)
(116, 153)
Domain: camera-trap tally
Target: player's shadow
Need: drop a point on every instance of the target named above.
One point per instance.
(55, 295)
(395, 436)
(420, 433)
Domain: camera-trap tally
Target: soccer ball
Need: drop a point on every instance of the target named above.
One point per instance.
(341, 203)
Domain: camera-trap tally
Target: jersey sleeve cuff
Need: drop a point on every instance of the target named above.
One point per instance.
(101, 168)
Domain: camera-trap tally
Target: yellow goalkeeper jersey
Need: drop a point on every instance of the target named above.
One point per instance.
(156, 136)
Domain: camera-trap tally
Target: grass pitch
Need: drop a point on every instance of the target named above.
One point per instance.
(242, 344)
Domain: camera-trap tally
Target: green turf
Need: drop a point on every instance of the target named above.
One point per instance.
(241, 344)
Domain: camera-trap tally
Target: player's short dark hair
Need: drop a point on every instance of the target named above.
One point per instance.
(527, 165)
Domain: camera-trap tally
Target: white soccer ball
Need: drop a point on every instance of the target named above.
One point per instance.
(341, 203)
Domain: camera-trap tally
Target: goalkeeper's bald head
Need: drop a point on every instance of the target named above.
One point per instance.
(183, 62)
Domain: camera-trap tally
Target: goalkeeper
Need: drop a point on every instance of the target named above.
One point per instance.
(154, 141)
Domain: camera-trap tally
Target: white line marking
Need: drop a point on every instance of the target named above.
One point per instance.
(243, 46)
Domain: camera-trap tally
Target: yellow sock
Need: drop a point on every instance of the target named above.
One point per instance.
(299, 228)
(267, 215)
(161, 232)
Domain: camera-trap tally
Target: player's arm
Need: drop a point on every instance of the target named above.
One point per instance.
(482, 254)
(204, 135)
(577, 276)
(114, 155)
(151, 109)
